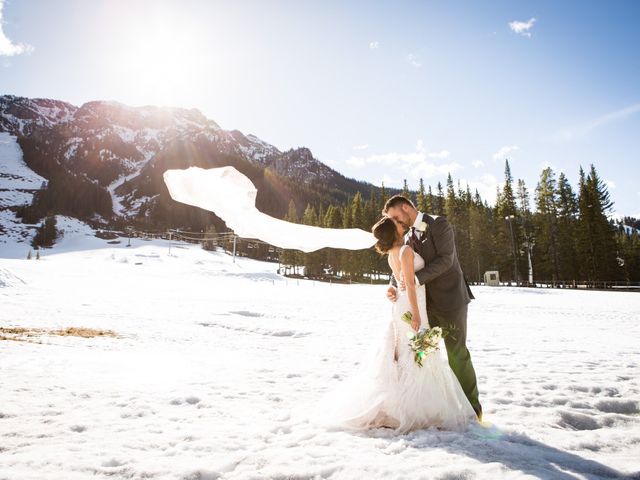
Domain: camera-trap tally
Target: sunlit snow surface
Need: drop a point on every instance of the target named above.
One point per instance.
(217, 366)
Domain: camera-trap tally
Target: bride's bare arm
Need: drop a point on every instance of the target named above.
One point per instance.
(406, 260)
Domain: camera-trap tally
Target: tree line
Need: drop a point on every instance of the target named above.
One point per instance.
(556, 234)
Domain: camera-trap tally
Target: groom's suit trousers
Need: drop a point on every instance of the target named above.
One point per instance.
(459, 357)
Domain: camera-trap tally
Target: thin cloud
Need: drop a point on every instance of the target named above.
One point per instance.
(419, 163)
(610, 184)
(413, 60)
(374, 45)
(477, 163)
(431, 170)
(387, 180)
(486, 185)
(522, 28)
(442, 154)
(582, 130)
(547, 164)
(7, 47)
(361, 147)
(505, 152)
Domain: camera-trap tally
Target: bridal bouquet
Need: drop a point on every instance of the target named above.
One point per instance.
(424, 341)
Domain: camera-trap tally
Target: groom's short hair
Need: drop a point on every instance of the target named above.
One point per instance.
(395, 201)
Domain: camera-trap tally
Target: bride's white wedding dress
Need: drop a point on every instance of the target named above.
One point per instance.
(385, 392)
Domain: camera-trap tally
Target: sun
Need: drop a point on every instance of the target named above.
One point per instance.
(161, 61)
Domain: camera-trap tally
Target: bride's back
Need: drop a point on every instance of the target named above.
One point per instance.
(402, 305)
(394, 257)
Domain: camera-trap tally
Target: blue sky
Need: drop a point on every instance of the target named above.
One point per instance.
(379, 91)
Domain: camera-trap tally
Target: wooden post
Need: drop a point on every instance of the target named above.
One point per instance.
(234, 248)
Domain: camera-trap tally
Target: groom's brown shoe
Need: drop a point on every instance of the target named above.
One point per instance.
(479, 415)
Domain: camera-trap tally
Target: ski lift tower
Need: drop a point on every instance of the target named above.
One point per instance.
(129, 231)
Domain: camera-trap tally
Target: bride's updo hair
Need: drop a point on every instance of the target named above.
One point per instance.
(385, 231)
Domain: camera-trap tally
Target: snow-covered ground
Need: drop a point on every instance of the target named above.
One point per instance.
(217, 365)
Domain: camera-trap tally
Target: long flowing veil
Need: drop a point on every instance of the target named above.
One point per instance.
(232, 197)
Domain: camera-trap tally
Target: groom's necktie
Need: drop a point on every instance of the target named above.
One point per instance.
(415, 242)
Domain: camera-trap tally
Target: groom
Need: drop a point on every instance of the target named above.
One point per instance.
(447, 291)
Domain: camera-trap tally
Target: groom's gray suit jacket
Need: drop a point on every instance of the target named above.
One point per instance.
(446, 286)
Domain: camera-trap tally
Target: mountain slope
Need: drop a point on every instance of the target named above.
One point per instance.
(103, 162)
(18, 185)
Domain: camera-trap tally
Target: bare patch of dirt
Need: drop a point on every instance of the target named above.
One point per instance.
(21, 334)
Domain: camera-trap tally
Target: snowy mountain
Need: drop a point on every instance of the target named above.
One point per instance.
(103, 162)
(300, 165)
(20, 116)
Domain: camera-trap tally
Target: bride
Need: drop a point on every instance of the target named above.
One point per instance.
(389, 389)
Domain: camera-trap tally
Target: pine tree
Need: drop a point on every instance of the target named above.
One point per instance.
(629, 248)
(480, 239)
(422, 198)
(357, 212)
(430, 207)
(450, 201)
(405, 190)
(292, 213)
(584, 230)
(524, 210)
(439, 201)
(46, 234)
(333, 217)
(602, 192)
(320, 217)
(567, 208)
(508, 198)
(309, 217)
(522, 195)
(546, 224)
(462, 229)
(383, 195)
(347, 215)
(372, 209)
(597, 242)
(507, 232)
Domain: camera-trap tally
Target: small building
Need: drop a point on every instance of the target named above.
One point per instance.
(492, 278)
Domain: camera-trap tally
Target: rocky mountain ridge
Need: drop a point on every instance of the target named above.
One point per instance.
(103, 161)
